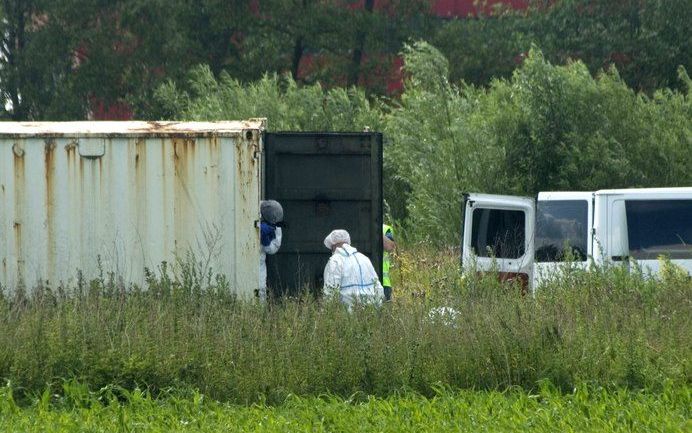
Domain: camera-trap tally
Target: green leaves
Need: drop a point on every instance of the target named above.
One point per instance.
(607, 327)
(65, 59)
(286, 105)
(586, 408)
(546, 128)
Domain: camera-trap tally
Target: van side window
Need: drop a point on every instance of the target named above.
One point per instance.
(498, 233)
(562, 230)
(659, 227)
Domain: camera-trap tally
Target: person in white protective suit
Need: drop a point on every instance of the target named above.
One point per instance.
(349, 273)
(270, 238)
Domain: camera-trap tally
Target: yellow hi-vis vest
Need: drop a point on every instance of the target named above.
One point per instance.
(386, 260)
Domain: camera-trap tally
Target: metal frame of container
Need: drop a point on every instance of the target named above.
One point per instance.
(101, 197)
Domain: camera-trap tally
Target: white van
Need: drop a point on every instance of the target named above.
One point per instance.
(527, 239)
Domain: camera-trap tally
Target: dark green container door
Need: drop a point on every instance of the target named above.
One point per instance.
(324, 181)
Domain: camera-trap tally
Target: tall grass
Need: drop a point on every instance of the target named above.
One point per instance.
(607, 328)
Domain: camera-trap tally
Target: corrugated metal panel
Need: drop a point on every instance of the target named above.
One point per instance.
(324, 181)
(132, 194)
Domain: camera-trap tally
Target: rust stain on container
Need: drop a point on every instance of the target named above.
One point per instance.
(18, 152)
(18, 200)
(184, 155)
(139, 146)
(70, 149)
(101, 176)
(49, 161)
(246, 157)
(140, 160)
(177, 149)
(178, 223)
(140, 178)
(18, 248)
(164, 159)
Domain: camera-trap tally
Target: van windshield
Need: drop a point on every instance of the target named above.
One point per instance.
(659, 227)
(562, 230)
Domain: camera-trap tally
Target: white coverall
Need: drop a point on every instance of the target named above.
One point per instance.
(272, 248)
(351, 275)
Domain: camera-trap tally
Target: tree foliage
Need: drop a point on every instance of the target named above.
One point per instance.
(39, 42)
(646, 40)
(286, 105)
(546, 128)
(62, 58)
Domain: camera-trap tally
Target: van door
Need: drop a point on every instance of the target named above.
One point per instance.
(499, 235)
(644, 225)
(324, 181)
(563, 232)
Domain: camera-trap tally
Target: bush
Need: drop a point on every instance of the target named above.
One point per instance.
(287, 106)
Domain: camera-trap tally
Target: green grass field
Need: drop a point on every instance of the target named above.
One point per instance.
(584, 410)
(605, 350)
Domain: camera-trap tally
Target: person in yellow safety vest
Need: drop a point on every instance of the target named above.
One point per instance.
(388, 245)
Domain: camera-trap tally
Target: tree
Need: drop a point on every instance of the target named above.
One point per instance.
(37, 62)
(380, 29)
(341, 39)
(645, 39)
(546, 128)
(15, 15)
(60, 58)
(483, 48)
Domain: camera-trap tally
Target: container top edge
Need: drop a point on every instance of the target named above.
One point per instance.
(128, 128)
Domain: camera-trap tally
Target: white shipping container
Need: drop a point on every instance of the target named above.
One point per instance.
(130, 195)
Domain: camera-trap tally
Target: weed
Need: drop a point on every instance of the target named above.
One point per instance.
(611, 328)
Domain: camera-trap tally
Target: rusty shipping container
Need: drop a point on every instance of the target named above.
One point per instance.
(122, 196)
